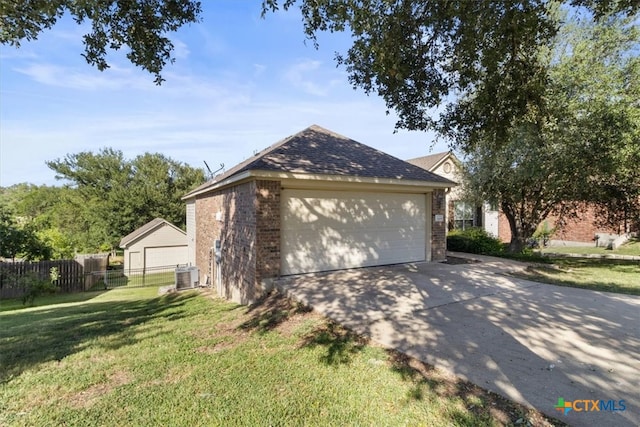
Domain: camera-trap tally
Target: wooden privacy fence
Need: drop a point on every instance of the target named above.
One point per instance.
(70, 275)
(92, 264)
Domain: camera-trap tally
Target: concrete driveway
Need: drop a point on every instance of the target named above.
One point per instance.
(530, 342)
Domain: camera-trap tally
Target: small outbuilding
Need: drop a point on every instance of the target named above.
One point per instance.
(315, 201)
(155, 246)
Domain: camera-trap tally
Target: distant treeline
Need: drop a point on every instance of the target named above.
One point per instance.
(103, 197)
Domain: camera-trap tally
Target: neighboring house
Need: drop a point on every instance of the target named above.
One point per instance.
(582, 230)
(315, 201)
(156, 245)
(460, 214)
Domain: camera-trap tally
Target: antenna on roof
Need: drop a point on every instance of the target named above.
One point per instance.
(212, 174)
(208, 169)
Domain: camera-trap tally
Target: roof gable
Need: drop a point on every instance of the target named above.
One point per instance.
(145, 230)
(316, 150)
(432, 161)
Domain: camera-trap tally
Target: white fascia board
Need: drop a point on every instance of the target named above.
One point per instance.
(302, 180)
(217, 185)
(301, 177)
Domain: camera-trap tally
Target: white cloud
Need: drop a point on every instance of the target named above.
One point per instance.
(180, 49)
(258, 69)
(87, 79)
(304, 75)
(17, 53)
(219, 130)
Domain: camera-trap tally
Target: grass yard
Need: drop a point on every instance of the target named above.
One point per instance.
(129, 357)
(116, 278)
(608, 275)
(630, 248)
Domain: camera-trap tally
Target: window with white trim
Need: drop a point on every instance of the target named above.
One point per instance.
(463, 215)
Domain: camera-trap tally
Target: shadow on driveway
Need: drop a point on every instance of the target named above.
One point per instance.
(530, 342)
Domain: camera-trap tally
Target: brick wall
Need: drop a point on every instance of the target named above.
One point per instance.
(438, 229)
(504, 230)
(267, 229)
(249, 228)
(207, 229)
(236, 228)
(580, 229)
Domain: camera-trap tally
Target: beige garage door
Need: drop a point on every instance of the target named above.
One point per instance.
(168, 256)
(332, 230)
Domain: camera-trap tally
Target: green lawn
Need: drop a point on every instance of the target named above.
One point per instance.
(116, 278)
(128, 357)
(609, 275)
(630, 248)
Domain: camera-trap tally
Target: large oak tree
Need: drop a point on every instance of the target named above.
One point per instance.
(585, 145)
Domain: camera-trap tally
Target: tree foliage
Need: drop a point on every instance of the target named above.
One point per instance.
(428, 55)
(585, 145)
(106, 197)
(114, 196)
(20, 241)
(140, 26)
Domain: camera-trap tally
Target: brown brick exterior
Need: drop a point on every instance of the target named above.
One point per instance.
(504, 230)
(438, 229)
(268, 228)
(249, 229)
(579, 229)
(583, 228)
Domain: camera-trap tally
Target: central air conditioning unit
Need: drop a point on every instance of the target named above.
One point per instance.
(187, 277)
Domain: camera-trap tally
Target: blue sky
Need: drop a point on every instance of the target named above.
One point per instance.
(239, 84)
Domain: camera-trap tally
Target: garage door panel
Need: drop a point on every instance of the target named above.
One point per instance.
(165, 256)
(332, 230)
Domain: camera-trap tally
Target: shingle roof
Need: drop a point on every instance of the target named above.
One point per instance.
(316, 150)
(148, 227)
(429, 162)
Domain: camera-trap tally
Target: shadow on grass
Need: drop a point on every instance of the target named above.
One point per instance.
(56, 299)
(30, 338)
(340, 343)
(478, 403)
(274, 309)
(607, 275)
(270, 311)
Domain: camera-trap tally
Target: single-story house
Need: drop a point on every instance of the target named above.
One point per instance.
(315, 201)
(157, 245)
(460, 214)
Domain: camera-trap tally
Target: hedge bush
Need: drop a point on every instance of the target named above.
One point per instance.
(474, 240)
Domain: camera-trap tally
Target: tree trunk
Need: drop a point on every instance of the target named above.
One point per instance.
(519, 234)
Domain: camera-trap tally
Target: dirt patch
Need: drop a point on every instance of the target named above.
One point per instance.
(217, 348)
(294, 322)
(87, 398)
(271, 311)
(173, 376)
(457, 260)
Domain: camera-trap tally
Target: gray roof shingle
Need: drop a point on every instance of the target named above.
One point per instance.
(430, 161)
(316, 150)
(141, 231)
